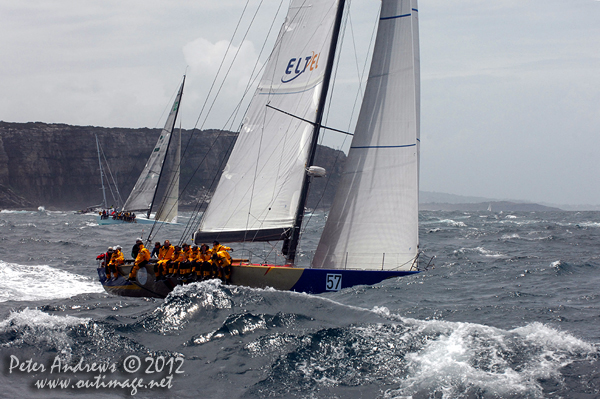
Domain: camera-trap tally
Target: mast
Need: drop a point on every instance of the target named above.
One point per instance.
(295, 235)
(168, 145)
(101, 173)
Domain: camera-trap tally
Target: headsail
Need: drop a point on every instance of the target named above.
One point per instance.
(143, 193)
(258, 194)
(373, 222)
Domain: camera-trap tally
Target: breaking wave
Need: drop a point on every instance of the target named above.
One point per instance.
(30, 283)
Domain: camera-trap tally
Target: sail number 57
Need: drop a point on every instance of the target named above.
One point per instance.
(333, 282)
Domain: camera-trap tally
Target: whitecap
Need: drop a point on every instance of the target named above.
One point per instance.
(31, 283)
(479, 250)
(33, 327)
(453, 223)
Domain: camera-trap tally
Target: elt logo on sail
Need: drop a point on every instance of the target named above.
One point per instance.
(295, 68)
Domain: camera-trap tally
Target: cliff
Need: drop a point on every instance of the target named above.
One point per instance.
(56, 165)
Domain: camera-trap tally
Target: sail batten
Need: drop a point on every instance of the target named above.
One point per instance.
(373, 222)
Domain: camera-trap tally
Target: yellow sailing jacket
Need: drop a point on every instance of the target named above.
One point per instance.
(117, 258)
(143, 255)
(165, 253)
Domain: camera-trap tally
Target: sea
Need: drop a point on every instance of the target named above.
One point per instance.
(509, 308)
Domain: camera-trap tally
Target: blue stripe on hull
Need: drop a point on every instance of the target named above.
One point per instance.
(110, 220)
(317, 281)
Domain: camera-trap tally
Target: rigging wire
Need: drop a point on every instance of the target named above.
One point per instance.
(118, 199)
(205, 103)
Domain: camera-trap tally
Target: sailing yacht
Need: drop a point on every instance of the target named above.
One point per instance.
(371, 233)
(143, 197)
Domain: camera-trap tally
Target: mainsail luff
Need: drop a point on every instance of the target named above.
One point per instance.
(169, 206)
(258, 194)
(143, 195)
(373, 222)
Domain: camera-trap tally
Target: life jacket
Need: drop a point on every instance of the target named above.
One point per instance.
(143, 255)
(223, 259)
(165, 253)
(204, 257)
(117, 258)
(193, 255)
(218, 248)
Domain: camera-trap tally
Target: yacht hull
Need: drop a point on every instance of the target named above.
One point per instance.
(138, 220)
(311, 281)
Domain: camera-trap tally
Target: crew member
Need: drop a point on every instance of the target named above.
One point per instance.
(222, 260)
(192, 262)
(218, 247)
(173, 263)
(164, 256)
(107, 257)
(155, 250)
(117, 260)
(136, 248)
(204, 263)
(185, 266)
(141, 260)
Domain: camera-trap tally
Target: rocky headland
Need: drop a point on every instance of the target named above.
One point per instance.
(56, 165)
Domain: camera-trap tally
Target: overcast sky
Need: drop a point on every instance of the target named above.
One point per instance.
(510, 89)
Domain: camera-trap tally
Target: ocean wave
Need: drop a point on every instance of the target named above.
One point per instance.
(479, 250)
(185, 303)
(415, 358)
(39, 330)
(517, 236)
(453, 223)
(588, 224)
(31, 283)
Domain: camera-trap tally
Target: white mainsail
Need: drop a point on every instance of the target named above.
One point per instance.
(258, 194)
(169, 207)
(143, 192)
(373, 222)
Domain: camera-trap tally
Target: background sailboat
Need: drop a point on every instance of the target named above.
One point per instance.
(111, 183)
(143, 197)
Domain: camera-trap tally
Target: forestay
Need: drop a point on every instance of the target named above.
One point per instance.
(258, 193)
(373, 222)
(142, 195)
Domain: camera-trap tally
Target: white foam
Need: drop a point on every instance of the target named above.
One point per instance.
(480, 250)
(589, 224)
(453, 223)
(455, 356)
(36, 328)
(31, 283)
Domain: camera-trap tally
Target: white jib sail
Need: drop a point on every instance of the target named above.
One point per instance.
(258, 193)
(373, 222)
(142, 194)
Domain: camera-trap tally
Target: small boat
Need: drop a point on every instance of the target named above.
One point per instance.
(371, 232)
(143, 197)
